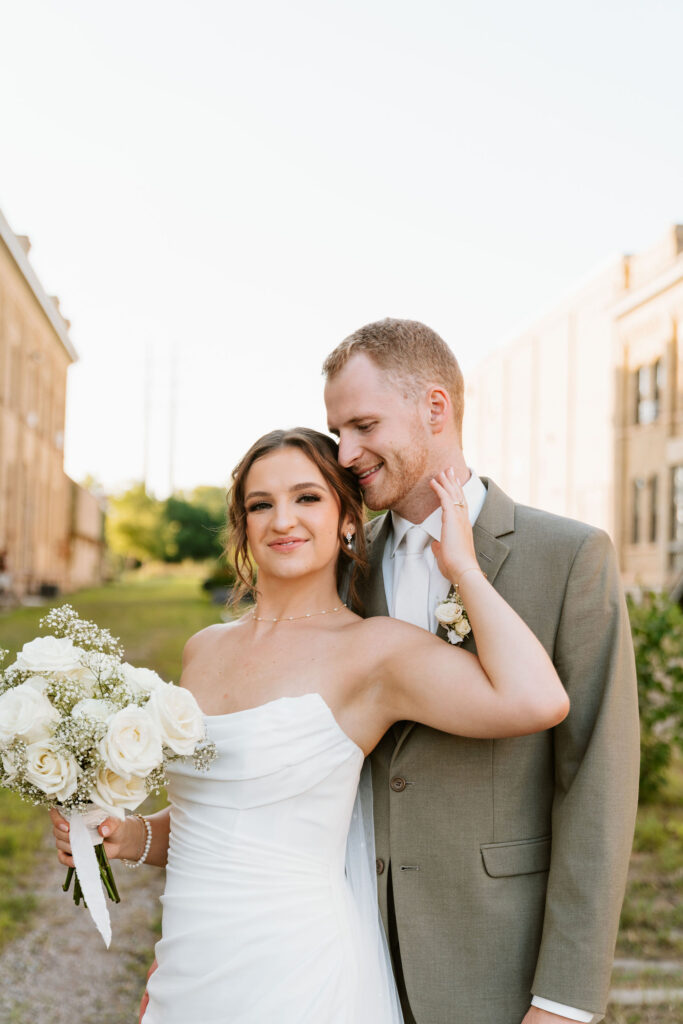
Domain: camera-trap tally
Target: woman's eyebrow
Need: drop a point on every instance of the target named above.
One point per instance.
(296, 487)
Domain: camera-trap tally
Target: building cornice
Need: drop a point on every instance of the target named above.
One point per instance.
(664, 280)
(47, 304)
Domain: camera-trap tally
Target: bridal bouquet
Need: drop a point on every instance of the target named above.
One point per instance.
(82, 730)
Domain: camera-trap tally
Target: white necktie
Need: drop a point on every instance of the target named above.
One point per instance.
(411, 586)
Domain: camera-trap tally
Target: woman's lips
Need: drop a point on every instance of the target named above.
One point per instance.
(286, 544)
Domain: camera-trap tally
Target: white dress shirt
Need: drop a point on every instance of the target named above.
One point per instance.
(439, 586)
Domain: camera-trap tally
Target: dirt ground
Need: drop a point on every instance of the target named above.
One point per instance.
(60, 972)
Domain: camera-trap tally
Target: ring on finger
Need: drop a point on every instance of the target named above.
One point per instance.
(459, 504)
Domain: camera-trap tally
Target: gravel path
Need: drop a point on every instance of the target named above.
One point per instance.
(60, 972)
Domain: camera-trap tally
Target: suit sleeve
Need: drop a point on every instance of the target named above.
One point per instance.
(596, 753)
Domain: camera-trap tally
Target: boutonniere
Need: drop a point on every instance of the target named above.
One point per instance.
(452, 615)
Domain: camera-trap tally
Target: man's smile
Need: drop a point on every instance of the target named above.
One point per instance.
(365, 475)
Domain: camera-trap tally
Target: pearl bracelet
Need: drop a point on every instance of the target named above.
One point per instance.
(148, 842)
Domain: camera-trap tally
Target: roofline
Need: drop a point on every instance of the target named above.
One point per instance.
(47, 304)
(661, 282)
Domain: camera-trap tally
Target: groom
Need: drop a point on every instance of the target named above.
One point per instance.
(501, 863)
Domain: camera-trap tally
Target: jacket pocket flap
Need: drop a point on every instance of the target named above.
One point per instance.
(518, 858)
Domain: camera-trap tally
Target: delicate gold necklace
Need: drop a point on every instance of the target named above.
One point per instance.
(293, 618)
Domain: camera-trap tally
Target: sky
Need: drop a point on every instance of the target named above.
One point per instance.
(220, 192)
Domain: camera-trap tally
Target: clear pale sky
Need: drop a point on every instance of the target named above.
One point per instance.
(248, 183)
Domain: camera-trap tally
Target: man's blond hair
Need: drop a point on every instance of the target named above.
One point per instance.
(410, 353)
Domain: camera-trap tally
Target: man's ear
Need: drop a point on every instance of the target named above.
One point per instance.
(439, 409)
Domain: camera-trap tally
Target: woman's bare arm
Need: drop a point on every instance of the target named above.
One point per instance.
(512, 687)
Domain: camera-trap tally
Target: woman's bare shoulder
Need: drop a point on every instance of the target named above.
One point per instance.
(381, 632)
(207, 638)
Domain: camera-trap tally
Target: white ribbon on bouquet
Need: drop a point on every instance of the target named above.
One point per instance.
(84, 837)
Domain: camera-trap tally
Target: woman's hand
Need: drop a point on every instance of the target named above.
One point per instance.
(124, 838)
(455, 553)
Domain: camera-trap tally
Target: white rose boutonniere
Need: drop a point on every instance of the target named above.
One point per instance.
(451, 613)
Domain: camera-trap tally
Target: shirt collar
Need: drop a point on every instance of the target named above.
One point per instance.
(475, 496)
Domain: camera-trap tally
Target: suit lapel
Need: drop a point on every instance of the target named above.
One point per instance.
(373, 592)
(496, 519)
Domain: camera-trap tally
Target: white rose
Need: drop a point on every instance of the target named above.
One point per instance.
(49, 654)
(100, 710)
(26, 712)
(114, 794)
(132, 745)
(141, 680)
(448, 613)
(54, 773)
(462, 628)
(178, 716)
(37, 683)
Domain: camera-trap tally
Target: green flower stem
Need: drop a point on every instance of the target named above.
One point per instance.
(106, 874)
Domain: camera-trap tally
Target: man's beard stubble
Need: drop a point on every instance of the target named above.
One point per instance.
(402, 471)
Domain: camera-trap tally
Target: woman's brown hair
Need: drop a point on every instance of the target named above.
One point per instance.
(322, 451)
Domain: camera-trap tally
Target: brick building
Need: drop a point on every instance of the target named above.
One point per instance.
(50, 528)
(582, 413)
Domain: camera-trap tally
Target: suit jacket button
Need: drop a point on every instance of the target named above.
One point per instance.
(379, 864)
(398, 784)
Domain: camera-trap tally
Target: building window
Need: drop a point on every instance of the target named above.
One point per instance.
(659, 384)
(636, 489)
(677, 503)
(650, 385)
(652, 487)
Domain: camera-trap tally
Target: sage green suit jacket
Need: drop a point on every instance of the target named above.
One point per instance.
(509, 857)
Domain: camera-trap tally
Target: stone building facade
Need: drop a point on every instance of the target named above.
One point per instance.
(50, 528)
(582, 414)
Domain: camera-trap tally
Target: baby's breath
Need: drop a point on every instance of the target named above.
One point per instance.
(64, 621)
(156, 780)
(204, 755)
(63, 692)
(11, 676)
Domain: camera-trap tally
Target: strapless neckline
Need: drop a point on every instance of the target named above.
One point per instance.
(280, 700)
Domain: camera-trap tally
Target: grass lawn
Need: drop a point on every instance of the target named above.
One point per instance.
(153, 617)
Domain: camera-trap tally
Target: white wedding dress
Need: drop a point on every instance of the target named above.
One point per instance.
(269, 915)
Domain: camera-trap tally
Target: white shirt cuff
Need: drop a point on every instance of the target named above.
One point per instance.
(584, 1016)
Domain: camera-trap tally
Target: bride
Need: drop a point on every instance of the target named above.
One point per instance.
(269, 912)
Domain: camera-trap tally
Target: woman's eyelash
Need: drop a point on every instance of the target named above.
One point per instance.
(258, 505)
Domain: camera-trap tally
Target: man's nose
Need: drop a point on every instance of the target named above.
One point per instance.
(349, 450)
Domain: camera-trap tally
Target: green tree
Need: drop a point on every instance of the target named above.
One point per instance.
(657, 628)
(195, 525)
(135, 528)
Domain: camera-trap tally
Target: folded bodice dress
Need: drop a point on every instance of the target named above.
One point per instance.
(267, 917)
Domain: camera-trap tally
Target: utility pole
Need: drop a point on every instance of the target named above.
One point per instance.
(172, 406)
(147, 398)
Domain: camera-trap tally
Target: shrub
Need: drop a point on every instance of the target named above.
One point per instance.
(657, 628)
